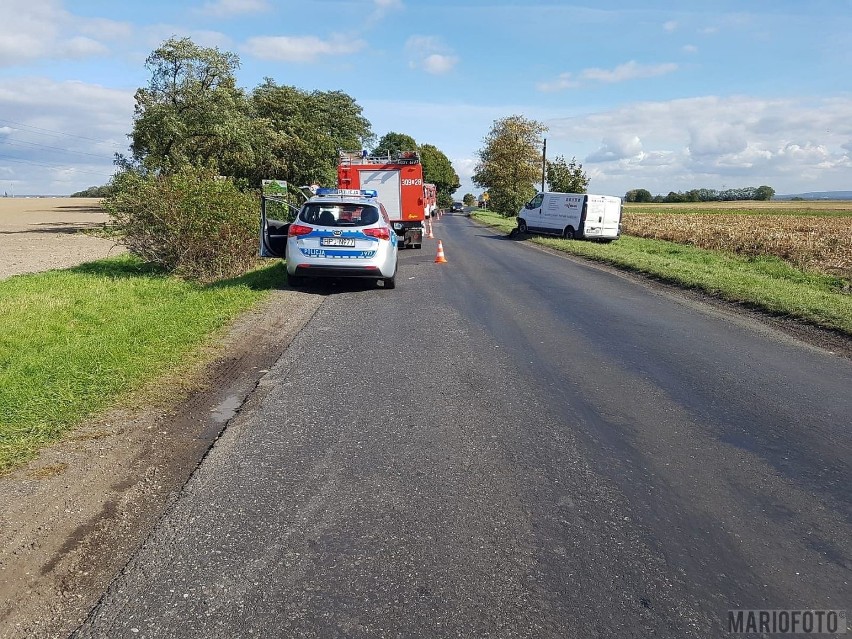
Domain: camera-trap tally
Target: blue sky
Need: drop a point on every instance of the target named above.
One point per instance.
(662, 95)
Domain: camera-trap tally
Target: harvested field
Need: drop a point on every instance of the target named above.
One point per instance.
(39, 234)
(819, 240)
(786, 207)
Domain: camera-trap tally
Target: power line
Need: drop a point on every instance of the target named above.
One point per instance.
(38, 129)
(55, 148)
(53, 166)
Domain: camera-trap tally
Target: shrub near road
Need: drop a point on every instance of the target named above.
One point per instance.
(188, 222)
(763, 281)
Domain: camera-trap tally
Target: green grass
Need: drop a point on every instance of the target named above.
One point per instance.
(767, 283)
(73, 342)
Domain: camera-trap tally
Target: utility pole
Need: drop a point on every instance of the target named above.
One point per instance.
(543, 164)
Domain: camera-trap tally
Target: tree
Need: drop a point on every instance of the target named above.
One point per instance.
(438, 170)
(469, 199)
(638, 195)
(764, 193)
(566, 177)
(394, 143)
(192, 111)
(306, 130)
(510, 163)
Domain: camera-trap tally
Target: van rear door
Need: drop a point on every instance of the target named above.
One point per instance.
(612, 218)
(603, 217)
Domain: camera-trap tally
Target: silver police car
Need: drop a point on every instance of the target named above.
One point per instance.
(342, 233)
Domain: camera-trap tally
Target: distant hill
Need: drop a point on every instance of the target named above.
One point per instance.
(817, 195)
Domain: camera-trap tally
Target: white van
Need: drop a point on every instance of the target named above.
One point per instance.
(572, 215)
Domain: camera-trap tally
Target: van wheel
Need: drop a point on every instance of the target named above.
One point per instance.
(522, 226)
(569, 234)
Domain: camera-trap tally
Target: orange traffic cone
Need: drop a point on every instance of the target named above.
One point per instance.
(440, 259)
(429, 235)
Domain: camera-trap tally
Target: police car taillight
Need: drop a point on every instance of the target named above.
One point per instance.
(298, 229)
(381, 233)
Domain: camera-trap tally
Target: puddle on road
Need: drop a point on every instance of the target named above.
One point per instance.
(226, 409)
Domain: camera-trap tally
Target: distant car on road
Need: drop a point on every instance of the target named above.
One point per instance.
(457, 207)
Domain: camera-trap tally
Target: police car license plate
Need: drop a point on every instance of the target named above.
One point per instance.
(337, 241)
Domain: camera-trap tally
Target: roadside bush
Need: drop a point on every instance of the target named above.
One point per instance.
(192, 223)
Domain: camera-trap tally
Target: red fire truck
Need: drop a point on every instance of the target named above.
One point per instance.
(398, 180)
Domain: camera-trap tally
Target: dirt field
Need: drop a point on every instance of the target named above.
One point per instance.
(39, 234)
(71, 518)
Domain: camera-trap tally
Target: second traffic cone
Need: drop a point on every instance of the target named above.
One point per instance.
(440, 259)
(430, 236)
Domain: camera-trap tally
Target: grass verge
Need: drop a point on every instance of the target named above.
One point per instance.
(765, 282)
(73, 341)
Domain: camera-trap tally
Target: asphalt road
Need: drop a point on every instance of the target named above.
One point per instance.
(512, 444)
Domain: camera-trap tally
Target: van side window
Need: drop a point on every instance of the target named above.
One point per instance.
(536, 201)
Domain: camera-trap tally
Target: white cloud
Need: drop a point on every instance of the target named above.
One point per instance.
(618, 148)
(104, 29)
(438, 64)
(42, 29)
(29, 31)
(629, 71)
(430, 54)
(465, 167)
(793, 145)
(82, 47)
(383, 7)
(61, 137)
(670, 26)
(690, 48)
(301, 48)
(563, 81)
(228, 8)
(622, 73)
(716, 140)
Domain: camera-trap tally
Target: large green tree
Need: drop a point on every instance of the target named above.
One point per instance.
(307, 130)
(510, 163)
(638, 195)
(566, 177)
(394, 143)
(192, 112)
(438, 170)
(764, 193)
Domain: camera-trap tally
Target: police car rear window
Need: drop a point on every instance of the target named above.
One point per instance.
(333, 214)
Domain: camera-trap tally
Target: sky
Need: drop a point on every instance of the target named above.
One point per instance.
(665, 95)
